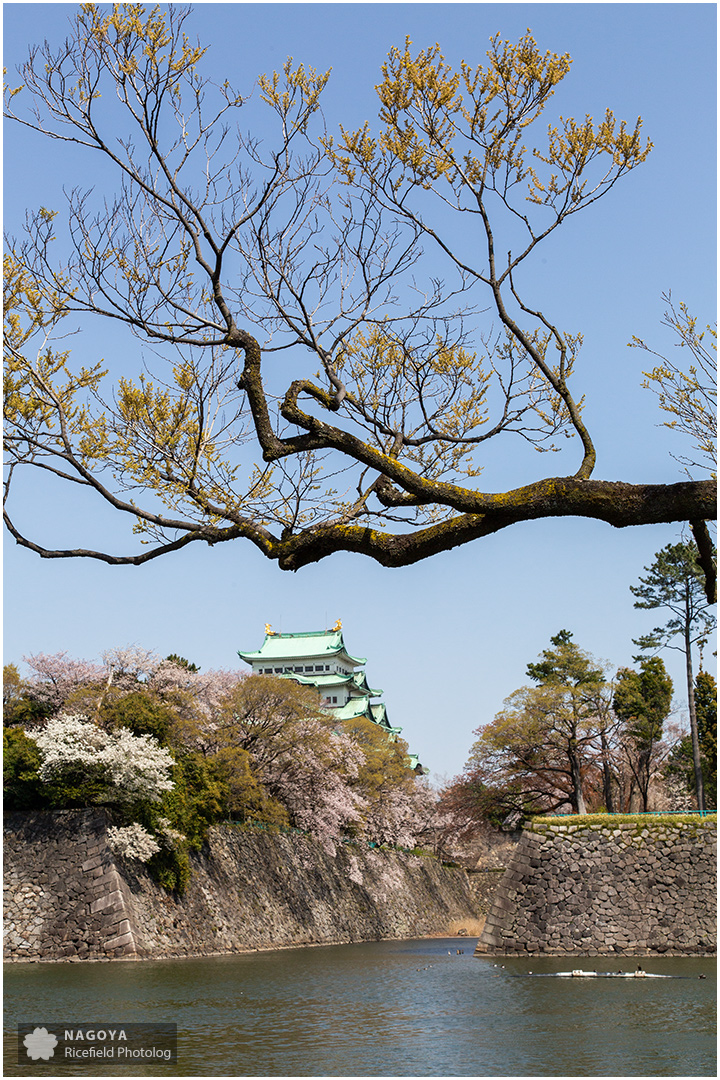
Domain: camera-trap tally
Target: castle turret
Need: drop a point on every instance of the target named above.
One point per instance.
(319, 658)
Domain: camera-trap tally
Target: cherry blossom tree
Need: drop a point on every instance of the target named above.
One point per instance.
(126, 768)
(313, 777)
(58, 682)
(398, 805)
(197, 698)
(295, 751)
(402, 817)
(257, 748)
(55, 676)
(132, 842)
(126, 667)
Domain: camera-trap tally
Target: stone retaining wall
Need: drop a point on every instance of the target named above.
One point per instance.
(68, 897)
(597, 890)
(484, 884)
(63, 893)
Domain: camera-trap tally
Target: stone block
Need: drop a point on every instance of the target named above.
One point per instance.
(110, 900)
(105, 879)
(118, 942)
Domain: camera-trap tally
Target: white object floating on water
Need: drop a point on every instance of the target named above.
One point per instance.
(578, 973)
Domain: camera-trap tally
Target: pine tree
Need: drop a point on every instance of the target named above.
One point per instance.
(675, 582)
(642, 701)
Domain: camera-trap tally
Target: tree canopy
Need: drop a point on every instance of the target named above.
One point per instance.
(681, 765)
(171, 750)
(576, 742)
(323, 379)
(643, 700)
(674, 583)
(546, 735)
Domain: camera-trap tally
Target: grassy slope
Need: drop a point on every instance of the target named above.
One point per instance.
(647, 820)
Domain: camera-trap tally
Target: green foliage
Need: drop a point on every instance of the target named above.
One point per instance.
(565, 665)
(207, 790)
(180, 661)
(244, 798)
(548, 748)
(196, 801)
(262, 713)
(22, 787)
(143, 712)
(680, 763)
(19, 708)
(77, 787)
(642, 703)
(170, 867)
(12, 684)
(706, 707)
(263, 752)
(643, 699)
(25, 712)
(680, 766)
(386, 764)
(675, 582)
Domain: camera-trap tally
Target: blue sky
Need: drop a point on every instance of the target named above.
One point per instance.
(447, 639)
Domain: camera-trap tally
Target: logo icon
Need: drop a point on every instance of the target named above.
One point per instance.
(41, 1044)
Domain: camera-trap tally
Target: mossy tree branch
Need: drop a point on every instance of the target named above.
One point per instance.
(253, 262)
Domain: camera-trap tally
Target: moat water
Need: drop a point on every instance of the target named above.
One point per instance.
(392, 1008)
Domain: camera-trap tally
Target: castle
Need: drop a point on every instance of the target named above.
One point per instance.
(319, 658)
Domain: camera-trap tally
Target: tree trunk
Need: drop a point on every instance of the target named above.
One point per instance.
(697, 767)
(644, 776)
(607, 774)
(576, 779)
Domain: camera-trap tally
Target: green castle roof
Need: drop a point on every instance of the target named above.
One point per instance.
(292, 646)
(357, 706)
(327, 643)
(332, 679)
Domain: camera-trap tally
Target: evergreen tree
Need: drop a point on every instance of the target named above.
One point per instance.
(675, 582)
(180, 661)
(539, 750)
(22, 787)
(706, 709)
(567, 666)
(642, 701)
(680, 762)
